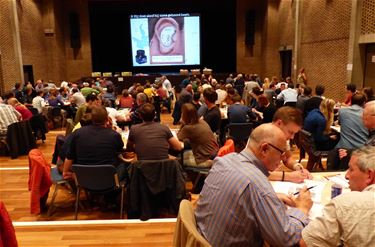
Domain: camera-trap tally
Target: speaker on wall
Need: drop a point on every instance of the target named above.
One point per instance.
(75, 31)
(250, 27)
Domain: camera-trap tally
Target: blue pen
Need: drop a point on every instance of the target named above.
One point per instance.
(309, 188)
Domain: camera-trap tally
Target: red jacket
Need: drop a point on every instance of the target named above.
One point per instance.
(7, 233)
(39, 179)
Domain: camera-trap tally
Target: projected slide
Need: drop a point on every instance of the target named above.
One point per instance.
(165, 39)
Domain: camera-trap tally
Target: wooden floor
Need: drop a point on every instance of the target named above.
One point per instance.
(14, 193)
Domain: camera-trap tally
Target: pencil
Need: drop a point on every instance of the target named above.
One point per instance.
(309, 188)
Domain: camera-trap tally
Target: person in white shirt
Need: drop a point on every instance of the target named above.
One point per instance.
(289, 95)
(348, 219)
(39, 102)
(77, 98)
(221, 93)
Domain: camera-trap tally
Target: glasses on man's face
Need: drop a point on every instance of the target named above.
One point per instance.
(282, 152)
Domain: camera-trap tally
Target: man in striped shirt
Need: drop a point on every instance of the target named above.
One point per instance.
(238, 206)
(8, 115)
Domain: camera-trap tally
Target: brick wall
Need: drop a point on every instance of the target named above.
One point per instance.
(48, 52)
(9, 67)
(325, 44)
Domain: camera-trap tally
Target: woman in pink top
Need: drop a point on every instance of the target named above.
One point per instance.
(25, 112)
(126, 100)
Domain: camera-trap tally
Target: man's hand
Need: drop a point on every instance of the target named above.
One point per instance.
(287, 199)
(342, 153)
(297, 176)
(303, 201)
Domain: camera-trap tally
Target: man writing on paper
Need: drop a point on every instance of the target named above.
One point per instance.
(289, 120)
(348, 219)
(239, 207)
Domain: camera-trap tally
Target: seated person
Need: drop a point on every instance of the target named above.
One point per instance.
(113, 113)
(54, 98)
(126, 100)
(212, 114)
(202, 140)
(353, 133)
(85, 121)
(151, 140)
(133, 116)
(348, 219)
(265, 109)
(38, 102)
(239, 207)
(91, 100)
(95, 144)
(22, 109)
(289, 121)
(238, 112)
(8, 116)
(318, 122)
(185, 96)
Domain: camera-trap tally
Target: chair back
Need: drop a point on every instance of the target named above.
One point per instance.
(97, 178)
(20, 138)
(56, 111)
(39, 180)
(155, 185)
(307, 141)
(240, 131)
(186, 232)
(33, 110)
(227, 148)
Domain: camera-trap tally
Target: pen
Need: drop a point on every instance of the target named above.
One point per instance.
(309, 188)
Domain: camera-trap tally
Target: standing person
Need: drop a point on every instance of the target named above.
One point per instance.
(348, 219)
(302, 78)
(239, 207)
(202, 140)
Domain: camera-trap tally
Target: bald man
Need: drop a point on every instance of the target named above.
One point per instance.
(238, 206)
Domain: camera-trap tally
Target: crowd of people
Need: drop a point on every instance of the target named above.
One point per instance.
(237, 205)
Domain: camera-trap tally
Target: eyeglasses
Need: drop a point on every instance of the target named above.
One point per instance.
(282, 152)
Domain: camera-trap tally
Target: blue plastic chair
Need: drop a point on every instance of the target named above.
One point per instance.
(99, 179)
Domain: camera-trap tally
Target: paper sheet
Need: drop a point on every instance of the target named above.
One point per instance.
(339, 179)
(316, 193)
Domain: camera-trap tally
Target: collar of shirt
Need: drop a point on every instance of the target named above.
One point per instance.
(371, 187)
(250, 157)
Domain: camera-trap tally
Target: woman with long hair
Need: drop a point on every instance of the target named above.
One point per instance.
(318, 122)
(202, 140)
